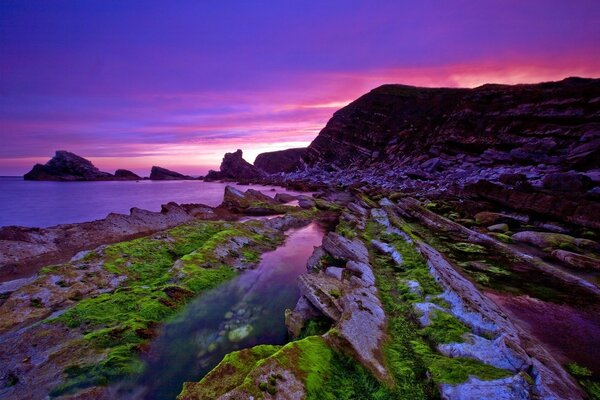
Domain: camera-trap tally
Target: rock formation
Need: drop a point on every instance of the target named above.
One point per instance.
(280, 161)
(234, 167)
(126, 175)
(553, 123)
(163, 174)
(66, 166)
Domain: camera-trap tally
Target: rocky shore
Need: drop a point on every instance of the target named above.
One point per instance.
(81, 324)
(463, 260)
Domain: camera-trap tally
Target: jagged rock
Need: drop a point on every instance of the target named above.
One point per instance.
(577, 260)
(126, 175)
(251, 202)
(163, 174)
(344, 249)
(361, 329)
(234, 167)
(314, 261)
(567, 182)
(65, 166)
(280, 161)
(511, 388)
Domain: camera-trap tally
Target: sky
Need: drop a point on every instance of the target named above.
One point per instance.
(131, 84)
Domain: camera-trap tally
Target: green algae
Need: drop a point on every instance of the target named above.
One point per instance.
(455, 370)
(120, 323)
(228, 374)
(585, 378)
(409, 351)
(471, 248)
(444, 328)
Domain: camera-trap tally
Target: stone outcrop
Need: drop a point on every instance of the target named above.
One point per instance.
(23, 250)
(163, 174)
(66, 166)
(126, 175)
(234, 167)
(251, 202)
(280, 161)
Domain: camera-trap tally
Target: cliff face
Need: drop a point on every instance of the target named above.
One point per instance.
(280, 161)
(66, 166)
(555, 123)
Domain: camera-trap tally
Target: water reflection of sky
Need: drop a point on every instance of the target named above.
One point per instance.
(197, 340)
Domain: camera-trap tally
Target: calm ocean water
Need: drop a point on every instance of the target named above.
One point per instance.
(43, 204)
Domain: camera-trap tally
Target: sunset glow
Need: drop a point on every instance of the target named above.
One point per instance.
(208, 78)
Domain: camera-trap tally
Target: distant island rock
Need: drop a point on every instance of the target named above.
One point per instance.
(66, 166)
(163, 174)
(234, 166)
(275, 162)
(126, 175)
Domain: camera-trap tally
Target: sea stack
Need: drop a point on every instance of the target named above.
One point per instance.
(163, 174)
(66, 166)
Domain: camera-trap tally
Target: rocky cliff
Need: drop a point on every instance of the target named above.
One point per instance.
(280, 161)
(555, 123)
(66, 166)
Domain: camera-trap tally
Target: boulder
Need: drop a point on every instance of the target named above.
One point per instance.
(66, 166)
(575, 260)
(284, 197)
(498, 228)
(163, 174)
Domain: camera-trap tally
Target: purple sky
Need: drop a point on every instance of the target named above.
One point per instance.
(130, 84)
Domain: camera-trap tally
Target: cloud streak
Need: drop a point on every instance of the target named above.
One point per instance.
(131, 85)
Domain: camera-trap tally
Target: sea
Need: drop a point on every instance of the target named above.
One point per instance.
(45, 203)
